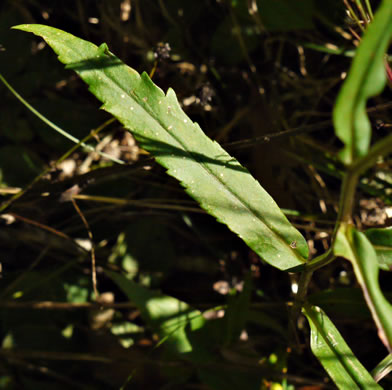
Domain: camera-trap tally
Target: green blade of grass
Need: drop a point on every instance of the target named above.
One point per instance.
(208, 173)
(334, 354)
(383, 368)
(168, 316)
(356, 247)
(366, 78)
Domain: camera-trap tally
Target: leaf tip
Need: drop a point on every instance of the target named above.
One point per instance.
(22, 27)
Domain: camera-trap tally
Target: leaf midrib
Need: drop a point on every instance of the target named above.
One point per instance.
(192, 156)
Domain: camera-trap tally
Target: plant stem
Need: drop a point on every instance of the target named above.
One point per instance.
(55, 127)
(362, 11)
(353, 15)
(8, 202)
(299, 300)
(369, 9)
(320, 261)
(351, 177)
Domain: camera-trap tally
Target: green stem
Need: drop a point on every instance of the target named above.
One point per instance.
(351, 177)
(353, 15)
(369, 9)
(362, 11)
(346, 203)
(380, 149)
(299, 300)
(7, 203)
(320, 261)
(347, 195)
(54, 126)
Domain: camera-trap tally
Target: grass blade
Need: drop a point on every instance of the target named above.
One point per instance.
(366, 78)
(383, 368)
(168, 316)
(334, 354)
(356, 247)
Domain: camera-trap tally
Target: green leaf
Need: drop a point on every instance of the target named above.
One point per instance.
(166, 315)
(381, 240)
(383, 368)
(366, 78)
(217, 181)
(355, 246)
(334, 354)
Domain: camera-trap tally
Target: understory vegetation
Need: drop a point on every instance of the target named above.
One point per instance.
(140, 250)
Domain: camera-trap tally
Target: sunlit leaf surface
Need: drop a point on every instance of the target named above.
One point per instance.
(217, 181)
(334, 354)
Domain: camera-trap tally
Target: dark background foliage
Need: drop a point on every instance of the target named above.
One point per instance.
(241, 69)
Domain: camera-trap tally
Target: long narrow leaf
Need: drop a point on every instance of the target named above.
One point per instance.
(166, 315)
(217, 181)
(356, 247)
(334, 354)
(383, 368)
(366, 78)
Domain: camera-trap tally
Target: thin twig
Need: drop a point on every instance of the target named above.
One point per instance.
(41, 226)
(285, 133)
(247, 143)
(92, 251)
(51, 305)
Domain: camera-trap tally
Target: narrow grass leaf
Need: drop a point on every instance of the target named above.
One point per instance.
(356, 247)
(166, 315)
(334, 354)
(209, 174)
(383, 368)
(366, 78)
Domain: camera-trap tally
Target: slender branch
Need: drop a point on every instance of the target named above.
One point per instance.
(51, 305)
(294, 131)
(285, 133)
(92, 251)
